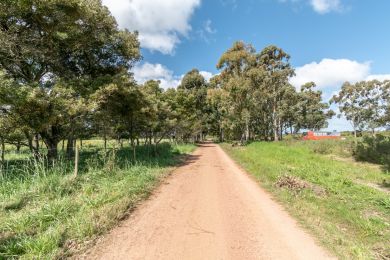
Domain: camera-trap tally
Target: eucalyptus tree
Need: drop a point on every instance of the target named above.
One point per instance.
(350, 104)
(275, 63)
(386, 97)
(364, 104)
(59, 51)
(290, 108)
(218, 108)
(160, 118)
(234, 65)
(374, 98)
(313, 114)
(194, 110)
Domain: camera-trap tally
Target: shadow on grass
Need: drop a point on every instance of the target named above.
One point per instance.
(374, 149)
(160, 156)
(10, 245)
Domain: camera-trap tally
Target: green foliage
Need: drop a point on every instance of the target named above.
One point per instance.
(374, 149)
(255, 98)
(364, 104)
(345, 206)
(58, 53)
(192, 109)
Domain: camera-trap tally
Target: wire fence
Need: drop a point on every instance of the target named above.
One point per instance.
(25, 163)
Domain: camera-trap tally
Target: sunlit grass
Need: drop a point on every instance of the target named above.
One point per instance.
(350, 218)
(46, 212)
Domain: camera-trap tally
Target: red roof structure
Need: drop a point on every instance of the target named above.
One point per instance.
(321, 135)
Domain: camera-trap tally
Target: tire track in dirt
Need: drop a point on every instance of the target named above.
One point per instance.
(208, 209)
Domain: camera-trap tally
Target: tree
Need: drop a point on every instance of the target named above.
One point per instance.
(121, 103)
(374, 103)
(386, 97)
(56, 50)
(160, 120)
(364, 104)
(312, 113)
(275, 62)
(235, 63)
(192, 99)
(216, 102)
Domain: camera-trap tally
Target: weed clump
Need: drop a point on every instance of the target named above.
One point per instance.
(292, 183)
(296, 185)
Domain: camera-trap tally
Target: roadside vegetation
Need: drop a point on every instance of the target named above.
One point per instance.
(48, 213)
(344, 203)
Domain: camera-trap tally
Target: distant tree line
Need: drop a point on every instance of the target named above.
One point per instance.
(65, 75)
(365, 104)
(253, 98)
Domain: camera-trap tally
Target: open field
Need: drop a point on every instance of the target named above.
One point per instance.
(344, 203)
(46, 212)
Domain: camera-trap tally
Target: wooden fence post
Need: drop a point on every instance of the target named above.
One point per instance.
(76, 162)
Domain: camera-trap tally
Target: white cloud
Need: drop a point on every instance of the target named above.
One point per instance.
(207, 31)
(148, 71)
(331, 72)
(159, 23)
(207, 75)
(326, 6)
(320, 6)
(329, 75)
(208, 28)
(334, 72)
(380, 77)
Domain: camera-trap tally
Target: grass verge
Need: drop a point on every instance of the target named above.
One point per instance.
(349, 218)
(46, 213)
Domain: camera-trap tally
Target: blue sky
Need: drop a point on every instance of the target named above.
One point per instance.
(330, 41)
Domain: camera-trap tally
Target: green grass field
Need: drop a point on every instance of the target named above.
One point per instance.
(46, 213)
(343, 203)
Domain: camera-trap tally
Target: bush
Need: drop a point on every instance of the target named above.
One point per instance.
(374, 149)
(341, 148)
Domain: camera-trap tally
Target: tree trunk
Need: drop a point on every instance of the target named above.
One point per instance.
(70, 148)
(30, 144)
(220, 134)
(36, 141)
(275, 124)
(105, 143)
(281, 129)
(247, 131)
(18, 146)
(52, 152)
(2, 152)
(133, 147)
(134, 153)
(81, 143)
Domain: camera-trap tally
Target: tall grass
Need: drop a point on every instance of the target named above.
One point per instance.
(46, 212)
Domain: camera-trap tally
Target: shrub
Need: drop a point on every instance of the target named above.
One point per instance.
(374, 149)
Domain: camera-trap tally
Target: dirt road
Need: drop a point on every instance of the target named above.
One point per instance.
(208, 209)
